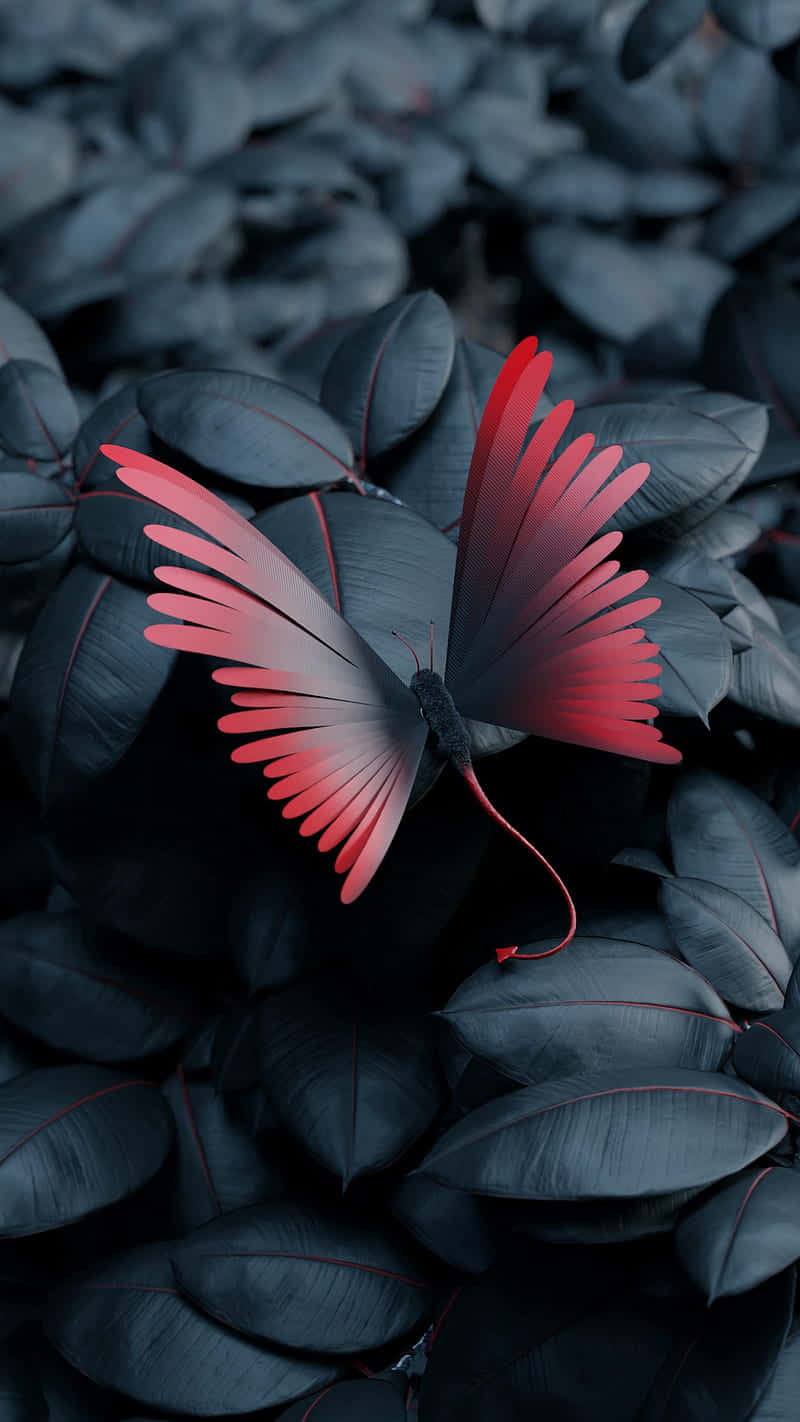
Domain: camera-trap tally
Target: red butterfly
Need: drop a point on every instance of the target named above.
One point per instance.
(532, 643)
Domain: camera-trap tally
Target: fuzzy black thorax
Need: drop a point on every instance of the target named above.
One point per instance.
(441, 714)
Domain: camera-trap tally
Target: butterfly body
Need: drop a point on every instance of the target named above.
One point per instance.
(443, 718)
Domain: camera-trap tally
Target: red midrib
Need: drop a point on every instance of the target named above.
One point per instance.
(754, 851)
(70, 664)
(193, 1127)
(620, 1091)
(593, 1002)
(362, 453)
(315, 1259)
(73, 1106)
(326, 538)
(90, 462)
(737, 1220)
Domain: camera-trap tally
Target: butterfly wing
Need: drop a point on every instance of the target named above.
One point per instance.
(339, 734)
(540, 639)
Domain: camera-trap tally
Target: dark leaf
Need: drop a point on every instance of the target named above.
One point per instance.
(723, 533)
(765, 23)
(766, 674)
(267, 309)
(605, 1221)
(750, 217)
(21, 1396)
(114, 421)
(158, 225)
(294, 1276)
(602, 280)
(721, 831)
(625, 1132)
(694, 652)
(582, 185)
(646, 127)
(601, 1005)
(38, 416)
(110, 523)
(691, 455)
(727, 940)
(38, 165)
(217, 1166)
(236, 1053)
(247, 428)
(768, 1055)
(74, 1139)
(722, 1358)
(741, 108)
(780, 456)
(385, 378)
(451, 1224)
(161, 313)
(275, 928)
(655, 31)
(686, 567)
(85, 997)
(35, 518)
(749, 422)
(22, 339)
(367, 1400)
(361, 256)
(642, 926)
(429, 472)
(381, 565)
(778, 1402)
(17, 1055)
(355, 1091)
(69, 1395)
(106, 35)
(284, 165)
(546, 1333)
(743, 1233)
(673, 192)
(430, 182)
(295, 76)
(125, 1325)
(749, 336)
(186, 110)
(85, 683)
(503, 135)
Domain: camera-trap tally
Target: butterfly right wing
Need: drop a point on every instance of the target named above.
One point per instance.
(339, 734)
(537, 640)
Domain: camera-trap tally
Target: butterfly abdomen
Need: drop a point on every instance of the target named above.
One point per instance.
(441, 714)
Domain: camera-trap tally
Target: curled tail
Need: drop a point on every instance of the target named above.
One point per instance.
(467, 770)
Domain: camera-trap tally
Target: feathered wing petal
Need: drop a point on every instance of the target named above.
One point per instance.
(542, 639)
(338, 733)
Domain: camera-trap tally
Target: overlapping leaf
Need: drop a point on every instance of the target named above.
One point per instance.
(74, 1139)
(604, 1003)
(623, 1132)
(304, 1279)
(124, 1324)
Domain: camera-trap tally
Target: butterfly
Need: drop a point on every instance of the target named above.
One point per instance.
(541, 639)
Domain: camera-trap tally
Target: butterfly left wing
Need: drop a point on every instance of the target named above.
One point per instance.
(344, 736)
(540, 638)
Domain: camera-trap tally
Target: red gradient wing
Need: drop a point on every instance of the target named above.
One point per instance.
(339, 734)
(542, 638)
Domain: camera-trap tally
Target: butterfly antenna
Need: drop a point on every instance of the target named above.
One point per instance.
(410, 648)
(468, 772)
